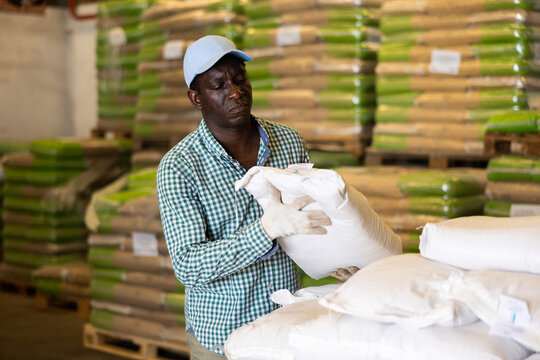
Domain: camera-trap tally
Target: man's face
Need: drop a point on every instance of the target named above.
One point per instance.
(225, 94)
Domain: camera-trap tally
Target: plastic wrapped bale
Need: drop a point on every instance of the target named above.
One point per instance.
(313, 69)
(46, 191)
(461, 65)
(118, 44)
(133, 278)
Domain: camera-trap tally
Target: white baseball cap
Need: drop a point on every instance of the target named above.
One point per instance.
(202, 54)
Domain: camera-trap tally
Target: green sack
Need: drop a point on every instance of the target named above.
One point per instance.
(510, 168)
(520, 122)
(33, 260)
(102, 257)
(355, 16)
(49, 207)
(488, 99)
(393, 52)
(328, 160)
(48, 286)
(536, 171)
(449, 207)
(116, 275)
(122, 8)
(7, 147)
(490, 34)
(175, 302)
(43, 233)
(410, 242)
(102, 319)
(103, 289)
(145, 178)
(133, 33)
(40, 176)
(387, 113)
(439, 183)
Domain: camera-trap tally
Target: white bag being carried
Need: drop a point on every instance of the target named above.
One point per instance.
(404, 289)
(507, 301)
(357, 235)
(484, 243)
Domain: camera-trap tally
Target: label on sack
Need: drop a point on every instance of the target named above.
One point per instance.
(445, 62)
(512, 317)
(145, 244)
(173, 50)
(117, 36)
(288, 35)
(517, 210)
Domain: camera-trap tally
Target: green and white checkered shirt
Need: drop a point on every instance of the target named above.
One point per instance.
(214, 234)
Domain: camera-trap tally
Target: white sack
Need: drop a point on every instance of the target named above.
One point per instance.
(284, 297)
(533, 357)
(482, 290)
(404, 289)
(485, 243)
(267, 337)
(334, 336)
(357, 235)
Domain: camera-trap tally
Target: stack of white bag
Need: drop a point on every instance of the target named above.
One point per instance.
(357, 235)
(410, 307)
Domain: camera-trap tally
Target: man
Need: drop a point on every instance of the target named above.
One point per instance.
(223, 248)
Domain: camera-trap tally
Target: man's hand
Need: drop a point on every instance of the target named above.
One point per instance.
(281, 220)
(344, 274)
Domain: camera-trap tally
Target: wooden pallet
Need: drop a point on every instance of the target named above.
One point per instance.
(63, 302)
(20, 288)
(500, 143)
(130, 346)
(433, 160)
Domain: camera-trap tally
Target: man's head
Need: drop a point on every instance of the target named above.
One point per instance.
(215, 72)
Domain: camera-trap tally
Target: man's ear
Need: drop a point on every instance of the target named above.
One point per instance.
(195, 99)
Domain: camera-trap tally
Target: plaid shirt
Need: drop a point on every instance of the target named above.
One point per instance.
(214, 234)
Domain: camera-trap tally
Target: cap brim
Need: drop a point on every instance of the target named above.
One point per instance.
(211, 62)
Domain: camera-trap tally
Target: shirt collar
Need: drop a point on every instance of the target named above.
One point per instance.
(215, 147)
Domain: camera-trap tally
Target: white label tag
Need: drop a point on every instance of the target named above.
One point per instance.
(517, 210)
(512, 317)
(117, 36)
(288, 35)
(445, 62)
(173, 50)
(145, 244)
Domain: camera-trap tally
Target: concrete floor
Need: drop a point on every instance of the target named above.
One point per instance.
(54, 334)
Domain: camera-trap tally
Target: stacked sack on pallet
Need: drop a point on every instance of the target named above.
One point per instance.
(313, 68)
(7, 147)
(513, 187)
(164, 113)
(134, 290)
(471, 294)
(70, 280)
(446, 67)
(46, 191)
(408, 198)
(118, 44)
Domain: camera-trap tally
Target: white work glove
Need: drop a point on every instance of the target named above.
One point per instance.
(344, 274)
(281, 220)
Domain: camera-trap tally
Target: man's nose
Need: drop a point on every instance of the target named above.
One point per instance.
(234, 91)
